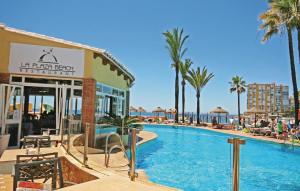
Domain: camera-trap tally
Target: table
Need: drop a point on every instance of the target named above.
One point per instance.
(8, 158)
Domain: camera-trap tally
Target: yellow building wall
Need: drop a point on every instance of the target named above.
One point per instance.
(93, 68)
(102, 73)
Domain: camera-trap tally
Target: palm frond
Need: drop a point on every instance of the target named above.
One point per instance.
(175, 44)
(198, 79)
(237, 84)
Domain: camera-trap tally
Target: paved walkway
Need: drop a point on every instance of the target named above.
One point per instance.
(113, 178)
(118, 170)
(6, 182)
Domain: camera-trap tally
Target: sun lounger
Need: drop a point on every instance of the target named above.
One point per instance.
(260, 131)
(295, 134)
(218, 126)
(265, 131)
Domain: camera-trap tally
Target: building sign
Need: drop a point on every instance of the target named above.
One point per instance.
(45, 60)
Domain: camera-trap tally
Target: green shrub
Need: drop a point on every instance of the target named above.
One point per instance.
(246, 130)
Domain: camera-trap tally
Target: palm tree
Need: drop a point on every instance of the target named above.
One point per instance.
(290, 12)
(238, 85)
(277, 19)
(127, 122)
(198, 79)
(184, 69)
(175, 41)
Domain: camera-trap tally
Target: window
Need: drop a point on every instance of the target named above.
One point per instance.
(77, 83)
(16, 79)
(115, 92)
(77, 92)
(47, 81)
(109, 101)
(99, 88)
(107, 90)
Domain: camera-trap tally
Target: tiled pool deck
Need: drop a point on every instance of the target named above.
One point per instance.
(110, 179)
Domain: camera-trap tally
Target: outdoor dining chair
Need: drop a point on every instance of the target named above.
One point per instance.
(44, 171)
(41, 141)
(48, 131)
(36, 157)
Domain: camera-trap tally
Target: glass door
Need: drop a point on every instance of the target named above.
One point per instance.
(69, 104)
(61, 99)
(11, 108)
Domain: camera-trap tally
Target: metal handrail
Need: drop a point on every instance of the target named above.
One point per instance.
(132, 173)
(107, 154)
(85, 148)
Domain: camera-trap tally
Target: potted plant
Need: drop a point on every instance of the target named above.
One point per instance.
(127, 123)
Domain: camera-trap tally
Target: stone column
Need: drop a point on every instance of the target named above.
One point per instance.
(4, 78)
(88, 107)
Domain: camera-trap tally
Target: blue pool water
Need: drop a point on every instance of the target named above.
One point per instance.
(105, 130)
(195, 159)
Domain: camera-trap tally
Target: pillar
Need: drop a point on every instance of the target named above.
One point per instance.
(88, 107)
(4, 78)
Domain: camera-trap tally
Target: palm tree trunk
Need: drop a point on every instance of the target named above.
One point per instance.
(183, 98)
(176, 92)
(239, 111)
(293, 73)
(198, 107)
(298, 36)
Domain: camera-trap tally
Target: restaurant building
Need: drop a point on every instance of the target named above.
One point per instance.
(44, 80)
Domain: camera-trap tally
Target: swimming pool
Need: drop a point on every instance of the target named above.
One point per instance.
(196, 159)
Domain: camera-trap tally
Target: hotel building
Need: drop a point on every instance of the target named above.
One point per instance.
(292, 102)
(44, 80)
(270, 98)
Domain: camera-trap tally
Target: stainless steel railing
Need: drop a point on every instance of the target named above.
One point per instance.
(86, 142)
(107, 152)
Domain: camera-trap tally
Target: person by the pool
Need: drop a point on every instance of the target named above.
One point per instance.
(289, 125)
(279, 127)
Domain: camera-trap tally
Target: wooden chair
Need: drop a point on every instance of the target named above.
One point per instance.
(43, 141)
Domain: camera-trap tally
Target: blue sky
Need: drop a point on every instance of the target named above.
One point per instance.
(224, 37)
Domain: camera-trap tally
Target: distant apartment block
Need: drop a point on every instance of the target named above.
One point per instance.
(292, 103)
(270, 98)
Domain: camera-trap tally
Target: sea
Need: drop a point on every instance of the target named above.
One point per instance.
(204, 117)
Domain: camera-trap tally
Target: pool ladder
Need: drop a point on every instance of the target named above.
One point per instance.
(119, 146)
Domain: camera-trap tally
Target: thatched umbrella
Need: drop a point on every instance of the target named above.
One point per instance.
(171, 111)
(140, 110)
(219, 110)
(255, 111)
(132, 109)
(158, 110)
